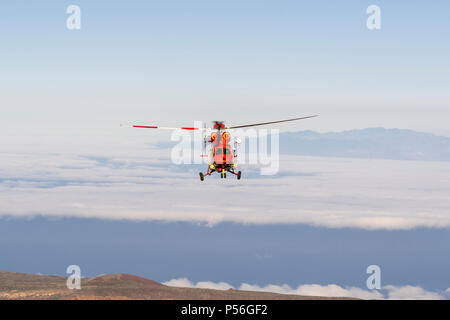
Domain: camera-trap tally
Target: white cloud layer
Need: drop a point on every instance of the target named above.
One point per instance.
(332, 290)
(335, 193)
(411, 292)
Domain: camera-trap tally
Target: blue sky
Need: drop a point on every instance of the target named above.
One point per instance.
(177, 62)
(66, 160)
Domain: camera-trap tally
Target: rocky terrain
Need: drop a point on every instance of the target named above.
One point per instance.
(19, 286)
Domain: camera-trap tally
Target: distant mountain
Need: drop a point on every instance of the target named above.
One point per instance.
(373, 143)
(378, 143)
(20, 286)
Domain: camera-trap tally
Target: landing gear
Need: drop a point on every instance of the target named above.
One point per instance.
(222, 171)
(238, 174)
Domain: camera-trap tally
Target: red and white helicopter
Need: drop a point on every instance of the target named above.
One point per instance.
(221, 154)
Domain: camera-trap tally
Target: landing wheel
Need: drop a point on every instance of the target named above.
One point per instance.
(224, 175)
(202, 177)
(239, 175)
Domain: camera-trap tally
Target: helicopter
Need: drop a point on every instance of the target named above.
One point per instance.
(221, 157)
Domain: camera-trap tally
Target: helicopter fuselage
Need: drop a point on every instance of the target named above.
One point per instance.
(221, 155)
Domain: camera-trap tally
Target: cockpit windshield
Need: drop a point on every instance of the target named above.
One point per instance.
(220, 151)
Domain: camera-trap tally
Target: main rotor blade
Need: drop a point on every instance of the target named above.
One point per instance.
(264, 123)
(165, 128)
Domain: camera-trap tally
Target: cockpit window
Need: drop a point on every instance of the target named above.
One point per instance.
(220, 151)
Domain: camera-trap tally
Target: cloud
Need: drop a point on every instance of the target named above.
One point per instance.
(326, 192)
(411, 292)
(332, 290)
(181, 282)
(186, 283)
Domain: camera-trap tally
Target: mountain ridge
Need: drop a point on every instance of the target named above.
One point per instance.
(121, 286)
(372, 143)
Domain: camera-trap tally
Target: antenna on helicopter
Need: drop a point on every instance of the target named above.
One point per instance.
(204, 141)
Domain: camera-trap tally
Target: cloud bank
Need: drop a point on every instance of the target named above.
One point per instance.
(327, 192)
(332, 290)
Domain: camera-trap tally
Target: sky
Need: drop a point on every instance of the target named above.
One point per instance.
(176, 62)
(66, 164)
